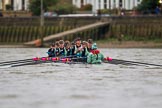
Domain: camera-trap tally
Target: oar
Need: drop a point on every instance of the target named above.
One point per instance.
(24, 60)
(132, 62)
(14, 61)
(29, 63)
(46, 60)
(23, 64)
(119, 62)
(138, 62)
(17, 62)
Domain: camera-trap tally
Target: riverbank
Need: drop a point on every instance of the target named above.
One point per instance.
(12, 46)
(129, 44)
(106, 44)
(26, 29)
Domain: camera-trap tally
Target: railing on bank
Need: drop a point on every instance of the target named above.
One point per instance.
(137, 28)
(137, 31)
(19, 30)
(20, 34)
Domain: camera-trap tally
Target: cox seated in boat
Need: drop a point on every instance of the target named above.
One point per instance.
(95, 56)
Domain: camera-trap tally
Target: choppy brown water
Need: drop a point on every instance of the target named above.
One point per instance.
(82, 86)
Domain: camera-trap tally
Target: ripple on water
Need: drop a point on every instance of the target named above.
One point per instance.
(8, 96)
(80, 85)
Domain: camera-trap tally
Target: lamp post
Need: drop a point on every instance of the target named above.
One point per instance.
(3, 5)
(160, 1)
(110, 7)
(41, 23)
(94, 7)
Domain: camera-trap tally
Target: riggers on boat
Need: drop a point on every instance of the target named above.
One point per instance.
(65, 59)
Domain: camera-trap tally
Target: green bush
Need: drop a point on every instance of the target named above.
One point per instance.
(105, 11)
(8, 7)
(87, 7)
(65, 8)
(35, 5)
(148, 5)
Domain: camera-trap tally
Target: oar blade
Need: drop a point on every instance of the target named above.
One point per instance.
(133, 62)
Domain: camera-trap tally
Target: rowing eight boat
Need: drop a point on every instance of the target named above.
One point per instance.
(68, 60)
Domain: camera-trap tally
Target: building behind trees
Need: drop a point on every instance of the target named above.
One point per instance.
(107, 4)
(14, 5)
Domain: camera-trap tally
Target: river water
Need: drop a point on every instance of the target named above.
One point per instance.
(58, 85)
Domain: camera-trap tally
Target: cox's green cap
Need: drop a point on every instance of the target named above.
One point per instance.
(94, 46)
